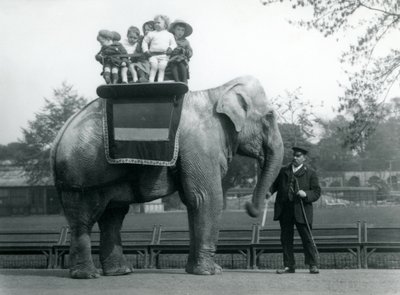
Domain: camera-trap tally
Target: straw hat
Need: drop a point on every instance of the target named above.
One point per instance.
(188, 28)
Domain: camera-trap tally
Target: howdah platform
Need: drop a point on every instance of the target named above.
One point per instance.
(141, 122)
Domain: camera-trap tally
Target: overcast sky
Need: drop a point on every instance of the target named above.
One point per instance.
(46, 42)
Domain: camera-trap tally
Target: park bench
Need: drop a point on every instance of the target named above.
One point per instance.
(380, 239)
(31, 242)
(135, 241)
(338, 238)
(176, 241)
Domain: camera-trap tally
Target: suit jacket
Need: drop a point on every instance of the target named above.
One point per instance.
(307, 182)
(110, 55)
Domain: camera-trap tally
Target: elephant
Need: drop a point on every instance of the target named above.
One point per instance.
(215, 124)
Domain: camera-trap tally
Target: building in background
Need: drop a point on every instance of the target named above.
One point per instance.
(18, 197)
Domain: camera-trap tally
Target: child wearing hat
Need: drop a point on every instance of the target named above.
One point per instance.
(179, 61)
(111, 56)
(158, 45)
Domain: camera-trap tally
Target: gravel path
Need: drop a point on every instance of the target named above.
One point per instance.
(43, 282)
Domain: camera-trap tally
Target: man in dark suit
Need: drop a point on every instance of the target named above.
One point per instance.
(297, 188)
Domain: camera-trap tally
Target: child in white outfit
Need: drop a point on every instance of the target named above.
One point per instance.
(158, 45)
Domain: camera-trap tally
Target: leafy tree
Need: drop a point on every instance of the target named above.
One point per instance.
(292, 109)
(41, 131)
(383, 147)
(380, 151)
(333, 156)
(373, 65)
(11, 151)
(297, 122)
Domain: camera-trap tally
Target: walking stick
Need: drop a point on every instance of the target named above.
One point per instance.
(265, 214)
(307, 223)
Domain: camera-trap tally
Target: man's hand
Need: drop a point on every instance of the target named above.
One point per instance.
(123, 64)
(302, 194)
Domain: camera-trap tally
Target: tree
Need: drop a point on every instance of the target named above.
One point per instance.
(41, 131)
(11, 151)
(297, 122)
(333, 156)
(381, 156)
(381, 150)
(292, 109)
(373, 67)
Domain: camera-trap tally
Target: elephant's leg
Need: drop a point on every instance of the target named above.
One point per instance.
(82, 211)
(203, 198)
(111, 257)
(192, 248)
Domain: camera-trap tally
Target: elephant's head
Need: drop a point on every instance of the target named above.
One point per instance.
(251, 112)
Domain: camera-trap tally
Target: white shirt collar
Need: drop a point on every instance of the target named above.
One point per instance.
(296, 168)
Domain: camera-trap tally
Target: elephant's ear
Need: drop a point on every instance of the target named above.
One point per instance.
(234, 103)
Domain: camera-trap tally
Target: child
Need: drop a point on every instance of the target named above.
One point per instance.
(179, 61)
(109, 56)
(142, 64)
(125, 60)
(148, 27)
(158, 45)
(130, 45)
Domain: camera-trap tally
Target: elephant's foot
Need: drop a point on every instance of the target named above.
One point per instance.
(118, 271)
(116, 268)
(84, 271)
(210, 268)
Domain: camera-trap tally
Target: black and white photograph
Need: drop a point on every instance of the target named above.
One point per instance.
(199, 147)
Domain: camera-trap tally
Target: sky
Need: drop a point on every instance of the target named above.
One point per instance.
(47, 42)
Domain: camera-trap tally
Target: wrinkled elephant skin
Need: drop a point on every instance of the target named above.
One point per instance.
(217, 123)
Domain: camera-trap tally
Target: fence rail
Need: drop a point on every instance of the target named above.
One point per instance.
(361, 240)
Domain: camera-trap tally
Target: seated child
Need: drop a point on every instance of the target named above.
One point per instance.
(130, 45)
(158, 45)
(110, 56)
(179, 61)
(142, 64)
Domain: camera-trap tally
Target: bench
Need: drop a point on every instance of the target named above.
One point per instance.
(343, 238)
(30, 243)
(380, 239)
(176, 241)
(134, 241)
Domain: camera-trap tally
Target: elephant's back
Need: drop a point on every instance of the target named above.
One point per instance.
(78, 153)
(82, 131)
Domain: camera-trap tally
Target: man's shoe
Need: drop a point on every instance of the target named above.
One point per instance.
(314, 269)
(285, 270)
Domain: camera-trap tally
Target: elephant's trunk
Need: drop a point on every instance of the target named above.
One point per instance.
(270, 170)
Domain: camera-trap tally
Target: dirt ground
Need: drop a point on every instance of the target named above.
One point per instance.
(43, 282)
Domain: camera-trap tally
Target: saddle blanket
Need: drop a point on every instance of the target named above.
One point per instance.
(142, 130)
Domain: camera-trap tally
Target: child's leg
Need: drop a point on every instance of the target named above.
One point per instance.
(162, 65)
(153, 68)
(124, 74)
(133, 72)
(183, 72)
(114, 75)
(142, 75)
(107, 75)
(174, 71)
